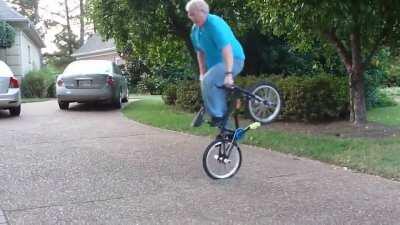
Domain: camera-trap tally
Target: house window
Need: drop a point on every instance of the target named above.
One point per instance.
(29, 54)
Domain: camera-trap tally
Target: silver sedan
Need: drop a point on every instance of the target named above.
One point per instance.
(10, 94)
(91, 81)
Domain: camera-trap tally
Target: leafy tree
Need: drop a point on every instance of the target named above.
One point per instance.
(28, 8)
(355, 29)
(82, 22)
(7, 35)
(157, 32)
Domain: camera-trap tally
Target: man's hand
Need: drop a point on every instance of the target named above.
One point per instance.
(228, 80)
(201, 77)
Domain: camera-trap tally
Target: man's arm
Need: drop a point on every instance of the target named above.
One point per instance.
(200, 61)
(228, 58)
(228, 61)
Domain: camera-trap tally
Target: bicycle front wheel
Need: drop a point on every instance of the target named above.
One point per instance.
(267, 103)
(222, 159)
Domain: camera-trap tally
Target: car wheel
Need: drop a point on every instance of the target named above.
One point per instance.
(63, 105)
(118, 100)
(125, 99)
(16, 111)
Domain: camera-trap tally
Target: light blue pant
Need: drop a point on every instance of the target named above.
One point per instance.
(214, 98)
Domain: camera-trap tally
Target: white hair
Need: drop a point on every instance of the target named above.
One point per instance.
(199, 5)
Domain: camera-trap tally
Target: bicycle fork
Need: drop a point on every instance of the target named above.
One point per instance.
(224, 153)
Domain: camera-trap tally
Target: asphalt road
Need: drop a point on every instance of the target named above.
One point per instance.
(91, 165)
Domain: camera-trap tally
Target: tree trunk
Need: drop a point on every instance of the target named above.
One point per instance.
(70, 48)
(82, 22)
(352, 60)
(36, 12)
(357, 95)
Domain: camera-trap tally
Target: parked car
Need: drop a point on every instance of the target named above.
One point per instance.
(91, 81)
(10, 94)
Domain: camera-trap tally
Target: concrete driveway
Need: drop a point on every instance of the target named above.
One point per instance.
(91, 165)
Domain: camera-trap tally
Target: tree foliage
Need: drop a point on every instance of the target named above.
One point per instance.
(7, 35)
(355, 29)
(157, 33)
(28, 8)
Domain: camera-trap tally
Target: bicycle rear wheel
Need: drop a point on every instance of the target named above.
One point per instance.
(222, 159)
(266, 105)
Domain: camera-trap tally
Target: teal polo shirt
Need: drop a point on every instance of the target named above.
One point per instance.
(212, 37)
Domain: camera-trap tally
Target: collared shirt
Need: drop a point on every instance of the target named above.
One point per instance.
(212, 37)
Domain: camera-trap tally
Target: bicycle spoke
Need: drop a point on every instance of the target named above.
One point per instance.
(221, 165)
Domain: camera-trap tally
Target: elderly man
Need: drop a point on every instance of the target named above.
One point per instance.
(220, 58)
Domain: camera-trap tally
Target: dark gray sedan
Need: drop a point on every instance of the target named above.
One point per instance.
(91, 81)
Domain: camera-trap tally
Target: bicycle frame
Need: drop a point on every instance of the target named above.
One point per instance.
(235, 91)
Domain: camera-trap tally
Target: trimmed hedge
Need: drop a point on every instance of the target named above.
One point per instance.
(314, 98)
(306, 98)
(169, 94)
(188, 95)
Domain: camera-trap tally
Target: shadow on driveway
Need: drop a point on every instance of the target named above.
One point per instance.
(91, 107)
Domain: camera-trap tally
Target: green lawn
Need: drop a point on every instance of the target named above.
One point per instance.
(387, 115)
(380, 157)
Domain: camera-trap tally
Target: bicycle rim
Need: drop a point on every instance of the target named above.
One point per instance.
(260, 111)
(216, 164)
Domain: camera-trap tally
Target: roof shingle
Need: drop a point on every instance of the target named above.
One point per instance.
(95, 44)
(9, 14)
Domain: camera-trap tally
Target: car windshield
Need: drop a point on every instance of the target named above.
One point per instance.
(89, 67)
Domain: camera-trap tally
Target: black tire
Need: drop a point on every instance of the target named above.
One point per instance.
(259, 111)
(63, 105)
(212, 159)
(125, 99)
(118, 100)
(16, 111)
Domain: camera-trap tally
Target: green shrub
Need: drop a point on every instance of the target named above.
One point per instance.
(169, 94)
(33, 86)
(373, 80)
(306, 98)
(151, 85)
(39, 83)
(188, 96)
(385, 100)
(393, 79)
(314, 98)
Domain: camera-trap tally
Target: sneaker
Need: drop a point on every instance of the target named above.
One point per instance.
(217, 122)
(198, 119)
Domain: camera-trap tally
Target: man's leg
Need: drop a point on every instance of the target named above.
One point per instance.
(214, 98)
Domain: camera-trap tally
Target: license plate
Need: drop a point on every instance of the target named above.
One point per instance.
(85, 83)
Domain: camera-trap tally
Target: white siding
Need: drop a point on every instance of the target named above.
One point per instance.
(23, 56)
(11, 56)
(30, 55)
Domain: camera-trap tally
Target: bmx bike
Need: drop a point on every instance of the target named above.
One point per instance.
(222, 158)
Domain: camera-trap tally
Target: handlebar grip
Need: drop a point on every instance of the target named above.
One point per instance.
(231, 87)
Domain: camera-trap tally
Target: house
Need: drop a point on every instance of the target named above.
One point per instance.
(96, 48)
(25, 55)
